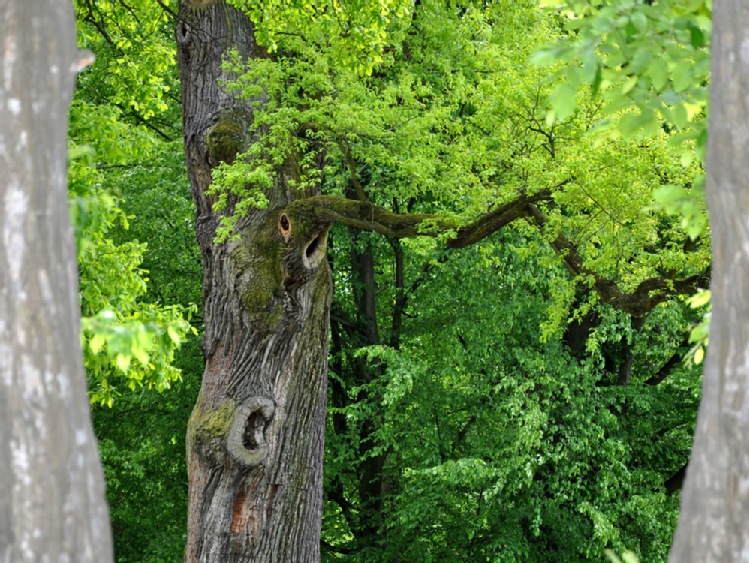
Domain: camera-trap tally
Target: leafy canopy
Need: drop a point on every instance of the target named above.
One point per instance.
(129, 339)
(650, 64)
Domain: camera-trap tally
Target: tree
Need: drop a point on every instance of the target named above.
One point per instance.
(51, 482)
(255, 437)
(714, 501)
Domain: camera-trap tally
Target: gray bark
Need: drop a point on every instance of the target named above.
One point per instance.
(52, 505)
(255, 438)
(715, 501)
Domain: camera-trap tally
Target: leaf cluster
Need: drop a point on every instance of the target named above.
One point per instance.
(649, 62)
(127, 341)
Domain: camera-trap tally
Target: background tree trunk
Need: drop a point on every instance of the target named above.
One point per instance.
(52, 505)
(255, 438)
(715, 501)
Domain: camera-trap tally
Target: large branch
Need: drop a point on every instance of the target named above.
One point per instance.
(368, 217)
(667, 368)
(639, 302)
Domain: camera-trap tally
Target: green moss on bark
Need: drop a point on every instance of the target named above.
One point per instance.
(275, 261)
(259, 270)
(207, 424)
(227, 137)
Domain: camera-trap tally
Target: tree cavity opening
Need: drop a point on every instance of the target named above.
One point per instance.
(314, 251)
(246, 439)
(254, 431)
(284, 227)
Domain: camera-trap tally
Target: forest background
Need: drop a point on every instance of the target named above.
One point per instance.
(522, 399)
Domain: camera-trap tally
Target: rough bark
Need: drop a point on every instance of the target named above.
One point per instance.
(255, 438)
(715, 500)
(52, 505)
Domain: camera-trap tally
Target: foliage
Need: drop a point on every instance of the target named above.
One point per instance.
(141, 441)
(135, 69)
(500, 434)
(504, 448)
(627, 557)
(650, 64)
(459, 133)
(125, 339)
(355, 32)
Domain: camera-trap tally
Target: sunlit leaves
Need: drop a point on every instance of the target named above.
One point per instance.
(651, 67)
(127, 342)
(699, 337)
(134, 46)
(683, 203)
(652, 57)
(562, 101)
(356, 32)
(138, 348)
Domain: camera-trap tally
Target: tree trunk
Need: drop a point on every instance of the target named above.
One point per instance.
(368, 528)
(255, 438)
(715, 500)
(52, 505)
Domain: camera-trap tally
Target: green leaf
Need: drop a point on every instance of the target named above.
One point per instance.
(96, 343)
(547, 56)
(563, 101)
(680, 116)
(630, 125)
(682, 76)
(699, 355)
(696, 37)
(123, 362)
(173, 335)
(658, 73)
(629, 84)
(596, 84)
(640, 21)
(700, 299)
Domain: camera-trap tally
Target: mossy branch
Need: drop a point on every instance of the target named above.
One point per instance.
(368, 217)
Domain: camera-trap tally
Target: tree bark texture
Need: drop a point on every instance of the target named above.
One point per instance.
(256, 436)
(52, 504)
(715, 501)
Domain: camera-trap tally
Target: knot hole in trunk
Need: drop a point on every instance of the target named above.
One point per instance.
(246, 440)
(314, 250)
(284, 227)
